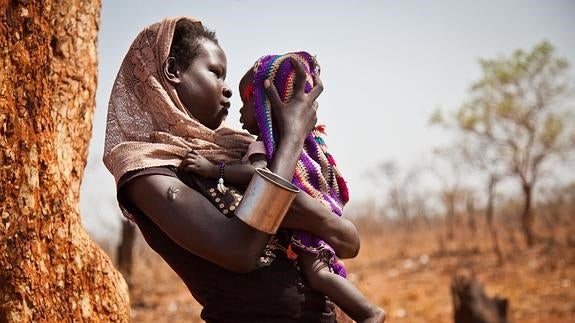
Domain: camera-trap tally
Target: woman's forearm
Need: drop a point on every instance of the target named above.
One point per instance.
(286, 157)
(195, 224)
(309, 215)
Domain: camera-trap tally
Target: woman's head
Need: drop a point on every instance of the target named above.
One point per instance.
(197, 67)
(167, 97)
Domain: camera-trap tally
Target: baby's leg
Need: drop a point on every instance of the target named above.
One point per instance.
(339, 290)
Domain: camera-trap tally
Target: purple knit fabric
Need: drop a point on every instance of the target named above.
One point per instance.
(316, 172)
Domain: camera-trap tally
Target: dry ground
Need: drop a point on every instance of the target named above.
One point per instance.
(409, 274)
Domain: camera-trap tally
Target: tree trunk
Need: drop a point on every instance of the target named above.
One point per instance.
(50, 270)
(125, 249)
(489, 219)
(470, 204)
(527, 216)
(450, 203)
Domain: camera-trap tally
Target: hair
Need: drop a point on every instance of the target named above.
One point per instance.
(186, 41)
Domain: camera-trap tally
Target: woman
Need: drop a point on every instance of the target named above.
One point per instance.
(170, 97)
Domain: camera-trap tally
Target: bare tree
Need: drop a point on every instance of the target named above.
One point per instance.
(554, 206)
(516, 109)
(50, 270)
(471, 211)
(481, 155)
(399, 191)
(402, 201)
(448, 169)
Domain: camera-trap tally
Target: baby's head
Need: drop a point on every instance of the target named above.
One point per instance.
(256, 109)
(247, 112)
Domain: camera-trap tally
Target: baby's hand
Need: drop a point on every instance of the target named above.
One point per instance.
(196, 163)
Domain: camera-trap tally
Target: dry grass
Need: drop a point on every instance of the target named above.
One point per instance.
(409, 273)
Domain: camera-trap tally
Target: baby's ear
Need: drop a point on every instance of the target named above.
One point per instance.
(170, 71)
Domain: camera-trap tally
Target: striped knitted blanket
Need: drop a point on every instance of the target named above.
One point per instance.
(316, 172)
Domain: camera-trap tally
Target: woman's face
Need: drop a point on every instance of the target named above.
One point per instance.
(248, 117)
(202, 88)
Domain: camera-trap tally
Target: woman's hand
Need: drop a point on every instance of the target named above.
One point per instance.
(297, 117)
(295, 120)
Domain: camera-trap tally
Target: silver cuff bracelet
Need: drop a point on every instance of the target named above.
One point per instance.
(266, 201)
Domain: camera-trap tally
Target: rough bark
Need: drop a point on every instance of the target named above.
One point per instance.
(50, 270)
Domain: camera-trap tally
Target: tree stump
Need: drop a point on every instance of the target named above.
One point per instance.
(472, 305)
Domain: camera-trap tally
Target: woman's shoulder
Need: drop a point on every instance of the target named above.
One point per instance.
(130, 179)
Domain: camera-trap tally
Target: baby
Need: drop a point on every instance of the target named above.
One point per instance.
(316, 174)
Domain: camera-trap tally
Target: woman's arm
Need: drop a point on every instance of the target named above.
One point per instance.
(195, 224)
(309, 215)
(305, 214)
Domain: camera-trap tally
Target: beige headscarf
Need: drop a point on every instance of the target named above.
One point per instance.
(147, 124)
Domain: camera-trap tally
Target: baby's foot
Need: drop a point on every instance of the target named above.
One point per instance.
(378, 315)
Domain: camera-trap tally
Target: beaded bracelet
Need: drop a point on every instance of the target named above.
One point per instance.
(221, 187)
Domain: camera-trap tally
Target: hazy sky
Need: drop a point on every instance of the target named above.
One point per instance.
(386, 66)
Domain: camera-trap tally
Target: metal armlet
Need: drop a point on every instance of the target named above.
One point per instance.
(266, 201)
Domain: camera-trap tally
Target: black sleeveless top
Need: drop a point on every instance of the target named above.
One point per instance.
(275, 293)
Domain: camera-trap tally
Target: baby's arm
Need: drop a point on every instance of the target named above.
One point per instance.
(196, 163)
(258, 160)
(234, 173)
(241, 173)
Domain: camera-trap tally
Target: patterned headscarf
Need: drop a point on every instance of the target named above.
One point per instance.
(147, 124)
(316, 172)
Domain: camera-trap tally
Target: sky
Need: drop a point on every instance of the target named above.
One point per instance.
(386, 67)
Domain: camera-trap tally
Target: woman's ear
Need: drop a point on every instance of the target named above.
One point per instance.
(171, 71)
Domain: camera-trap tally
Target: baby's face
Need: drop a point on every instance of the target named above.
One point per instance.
(248, 117)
